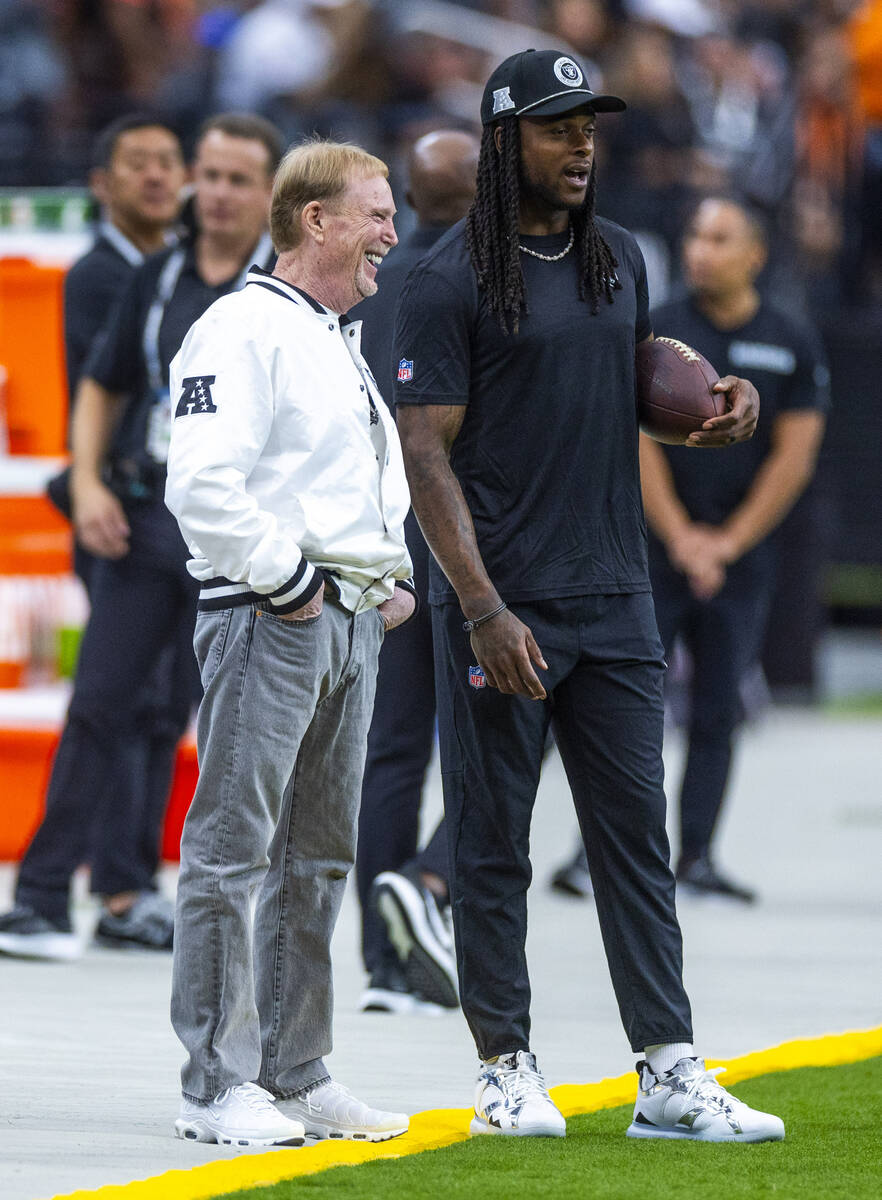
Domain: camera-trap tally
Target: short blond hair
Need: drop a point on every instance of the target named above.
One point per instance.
(314, 170)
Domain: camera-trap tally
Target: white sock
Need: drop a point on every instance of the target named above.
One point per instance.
(663, 1057)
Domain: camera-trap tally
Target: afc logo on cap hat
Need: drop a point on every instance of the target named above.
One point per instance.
(502, 100)
(568, 72)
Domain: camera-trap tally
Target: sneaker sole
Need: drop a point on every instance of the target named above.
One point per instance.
(199, 1131)
(323, 1134)
(380, 1000)
(643, 1131)
(111, 942)
(477, 1126)
(429, 967)
(51, 947)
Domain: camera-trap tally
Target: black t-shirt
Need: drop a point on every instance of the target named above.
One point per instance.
(547, 452)
(118, 360)
(377, 313)
(91, 288)
(782, 357)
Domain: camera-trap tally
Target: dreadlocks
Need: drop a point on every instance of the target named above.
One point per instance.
(492, 233)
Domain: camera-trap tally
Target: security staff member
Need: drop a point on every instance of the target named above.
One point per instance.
(416, 965)
(712, 560)
(138, 177)
(142, 594)
(516, 339)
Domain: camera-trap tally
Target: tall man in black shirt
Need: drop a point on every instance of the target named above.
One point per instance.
(713, 558)
(415, 969)
(143, 599)
(516, 340)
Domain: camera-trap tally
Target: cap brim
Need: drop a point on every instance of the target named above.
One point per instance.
(574, 99)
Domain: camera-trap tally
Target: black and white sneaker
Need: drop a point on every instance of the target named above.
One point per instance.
(511, 1099)
(25, 933)
(699, 877)
(688, 1103)
(387, 992)
(148, 925)
(415, 924)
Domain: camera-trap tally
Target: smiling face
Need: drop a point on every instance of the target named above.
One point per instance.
(358, 234)
(556, 158)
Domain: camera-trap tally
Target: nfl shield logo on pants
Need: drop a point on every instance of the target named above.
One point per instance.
(477, 679)
(405, 370)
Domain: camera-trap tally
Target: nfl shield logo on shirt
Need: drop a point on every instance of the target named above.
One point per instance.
(405, 370)
(477, 678)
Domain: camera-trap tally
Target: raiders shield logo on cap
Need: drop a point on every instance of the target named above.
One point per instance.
(568, 72)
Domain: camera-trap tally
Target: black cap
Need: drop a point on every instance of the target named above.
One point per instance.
(540, 83)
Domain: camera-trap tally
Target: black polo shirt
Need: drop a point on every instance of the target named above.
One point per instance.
(118, 362)
(91, 288)
(782, 357)
(547, 452)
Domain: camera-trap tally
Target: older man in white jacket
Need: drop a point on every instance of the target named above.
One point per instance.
(286, 477)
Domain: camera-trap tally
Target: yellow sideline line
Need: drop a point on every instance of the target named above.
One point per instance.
(444, 1126)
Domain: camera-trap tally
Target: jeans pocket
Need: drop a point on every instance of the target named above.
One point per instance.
(265, 614)
(210, 640)
(382, 623)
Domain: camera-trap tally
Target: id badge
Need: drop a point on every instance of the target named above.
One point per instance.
(159, 426)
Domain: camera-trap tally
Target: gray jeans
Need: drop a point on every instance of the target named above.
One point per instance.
(282, 733)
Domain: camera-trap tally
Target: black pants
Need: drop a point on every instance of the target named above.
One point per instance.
(400, 743)
(145, 758)
(143, 610)
(724, 636)
(604, 686)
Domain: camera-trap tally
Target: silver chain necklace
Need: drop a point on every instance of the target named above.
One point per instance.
(551, 257)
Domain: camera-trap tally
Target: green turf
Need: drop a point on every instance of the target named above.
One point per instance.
(833, 1117)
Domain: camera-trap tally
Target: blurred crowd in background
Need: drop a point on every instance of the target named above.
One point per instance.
(782, 98)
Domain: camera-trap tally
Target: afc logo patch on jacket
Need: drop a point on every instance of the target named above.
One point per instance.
(196, 396)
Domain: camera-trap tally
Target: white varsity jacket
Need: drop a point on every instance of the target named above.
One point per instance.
(285, 468)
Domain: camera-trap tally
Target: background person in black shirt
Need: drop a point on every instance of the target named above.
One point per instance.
(713, 560)
(417, 965)
(143, 600)
(515, 339)
(137, 178)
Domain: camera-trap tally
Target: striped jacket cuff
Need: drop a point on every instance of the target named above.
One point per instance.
(407, 584)
(298, 590)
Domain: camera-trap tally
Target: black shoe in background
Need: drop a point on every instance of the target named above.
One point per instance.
(574, 878)
(699, 877)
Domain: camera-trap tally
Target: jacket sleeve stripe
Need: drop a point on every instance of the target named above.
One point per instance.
(299, 589)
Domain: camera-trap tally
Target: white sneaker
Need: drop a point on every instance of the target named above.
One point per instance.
(243, 1115)
(25, 933)
(511, 1098)
(687, 1102)
(330, 1110)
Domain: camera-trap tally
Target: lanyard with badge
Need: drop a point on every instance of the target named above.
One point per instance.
(159, 417)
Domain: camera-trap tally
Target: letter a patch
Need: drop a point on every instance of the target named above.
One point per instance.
(196, 396)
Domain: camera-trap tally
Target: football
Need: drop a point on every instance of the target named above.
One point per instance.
(674, 396)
